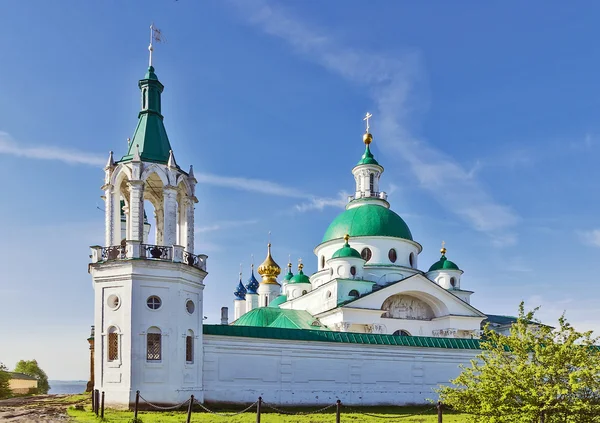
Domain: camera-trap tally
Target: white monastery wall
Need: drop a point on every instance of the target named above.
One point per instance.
(239, 370)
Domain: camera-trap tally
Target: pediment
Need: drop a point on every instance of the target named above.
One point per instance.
(415, 297)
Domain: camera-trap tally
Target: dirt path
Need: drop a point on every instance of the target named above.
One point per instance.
(38, 409)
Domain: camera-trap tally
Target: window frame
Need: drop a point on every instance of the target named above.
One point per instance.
(154, 297)
(156, 334)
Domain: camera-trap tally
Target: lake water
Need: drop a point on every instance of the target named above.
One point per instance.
(67, 386)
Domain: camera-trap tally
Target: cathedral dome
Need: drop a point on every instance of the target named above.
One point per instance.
(368, 220)
(346, 251)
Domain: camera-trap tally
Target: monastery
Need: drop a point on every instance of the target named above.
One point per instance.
(369, 327)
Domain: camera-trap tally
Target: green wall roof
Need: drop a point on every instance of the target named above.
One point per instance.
(367, 220)
(341, 337)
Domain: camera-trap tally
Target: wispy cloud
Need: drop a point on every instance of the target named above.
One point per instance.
(228, 224)
(317, 203)
(392, 80)
(591, 237)
(10, 147)
(248, 184)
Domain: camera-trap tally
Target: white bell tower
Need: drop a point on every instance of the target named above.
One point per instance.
(148, 297)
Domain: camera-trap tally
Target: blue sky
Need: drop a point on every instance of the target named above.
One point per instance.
(485, 119)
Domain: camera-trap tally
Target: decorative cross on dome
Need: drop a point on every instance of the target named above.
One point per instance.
(366, 118)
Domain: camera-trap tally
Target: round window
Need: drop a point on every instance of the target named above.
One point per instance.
(392, 255)
(366, 254)
(304, 292)
(353, 270)
(190, 306)
(113, 302)
(153, 302)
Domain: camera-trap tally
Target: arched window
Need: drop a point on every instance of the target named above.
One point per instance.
(366, 254)
(304, 292)
(372, 182)
(453, 282)
(411, 260)
(392, 255)
(189, 347)
(154, 344)
(401, 333)
(354, 293)
(113, 344)
(322, 262)
(353, 270)
(144, 98)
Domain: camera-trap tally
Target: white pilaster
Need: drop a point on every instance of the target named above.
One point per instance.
(189, 241)
(108, 215)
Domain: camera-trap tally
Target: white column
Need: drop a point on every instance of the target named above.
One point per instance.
(136, 210)
(170, 216)
(189, 225)
(108, 215)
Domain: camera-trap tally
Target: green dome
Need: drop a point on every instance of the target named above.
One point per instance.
(300, 277)
(346, 251)
(279, 300)
(443, 263)
(367, 220)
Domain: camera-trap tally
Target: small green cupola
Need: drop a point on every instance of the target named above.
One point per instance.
(367, 157)
(346, 251)
(289, 275)
(150, 136)
(300, 277)
(443, 263)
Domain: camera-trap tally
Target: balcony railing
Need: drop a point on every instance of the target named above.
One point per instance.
(136, 250)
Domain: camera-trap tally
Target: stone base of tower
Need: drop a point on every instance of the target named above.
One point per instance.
(148, 320)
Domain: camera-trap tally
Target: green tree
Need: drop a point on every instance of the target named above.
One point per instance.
(4, 378)
(535, 374)
(31, 368)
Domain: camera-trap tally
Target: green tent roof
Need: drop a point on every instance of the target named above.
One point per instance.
(443, 263)
(279, 318)
(150, 136)
(367, 220)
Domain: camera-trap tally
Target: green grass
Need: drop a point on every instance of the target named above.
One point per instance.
(349, 415)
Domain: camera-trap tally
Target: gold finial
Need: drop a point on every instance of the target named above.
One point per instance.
(346, 238)
(290, 262)
(443, 250)
(367, 137)
(300, 265)
(269, 269)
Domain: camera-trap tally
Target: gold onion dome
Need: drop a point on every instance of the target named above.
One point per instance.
(269, 270)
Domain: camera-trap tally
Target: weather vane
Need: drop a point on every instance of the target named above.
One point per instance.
(155, 36)
(366, 118)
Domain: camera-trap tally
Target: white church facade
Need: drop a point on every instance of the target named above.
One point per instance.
(367, 328)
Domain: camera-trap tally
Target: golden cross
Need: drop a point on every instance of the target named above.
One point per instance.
(367, 117)
(443, 244)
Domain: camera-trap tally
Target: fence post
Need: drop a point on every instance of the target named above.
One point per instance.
(137, 403)
(102, 406)
(189, 416)
(439, 411)
(338, 411)
(258, 407)
(97, 400)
